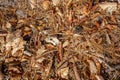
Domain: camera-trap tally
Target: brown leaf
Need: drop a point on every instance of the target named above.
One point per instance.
(108, 6)
(46, 5)
(63, 72)
(32, 3)
(92, 67)
(65, 44)
(56, 2)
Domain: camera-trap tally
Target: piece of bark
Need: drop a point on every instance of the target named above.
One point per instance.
(60, 51)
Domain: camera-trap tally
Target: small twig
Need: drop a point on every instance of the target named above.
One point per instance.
(82, 20)
(60, 51)
(46, 53)
(64, 60)
(108, 38)
(49, 68)
(68, 4)
(75, 71)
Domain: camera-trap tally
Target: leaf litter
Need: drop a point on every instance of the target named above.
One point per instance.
(59, 39)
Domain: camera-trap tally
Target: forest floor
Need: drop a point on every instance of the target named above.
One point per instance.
(59, 40)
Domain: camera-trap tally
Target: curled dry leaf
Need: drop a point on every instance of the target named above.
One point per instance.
(16, 45)
(65, 44)
(108, 6)
(63, 72)
(46, 5)
(52, 40)
(59, 39)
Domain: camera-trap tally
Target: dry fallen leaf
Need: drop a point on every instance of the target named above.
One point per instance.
(52, 40)
(63, 72)
(46, 5)
(8, 25)
(56, 2)
(65, 44)
(40, 59)
(50, 46)
(27, 53)
(108, 38)
(40, 51)
(92, 67)
(108, 6)
(17, 44)
(32, 3)
(59, 39)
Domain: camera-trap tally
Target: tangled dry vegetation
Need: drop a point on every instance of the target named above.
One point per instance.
(59, 40)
